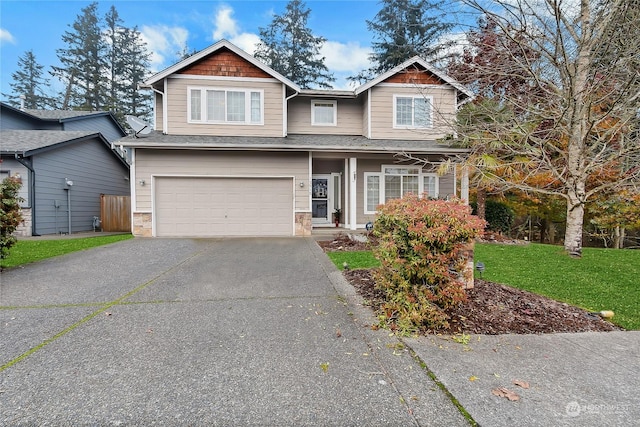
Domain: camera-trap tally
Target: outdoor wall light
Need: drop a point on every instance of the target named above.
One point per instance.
(68, 182)
(301, 184)
(142, 182)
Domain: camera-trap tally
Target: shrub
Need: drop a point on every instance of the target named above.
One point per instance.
(421, 250)
(499, 216)
(10, 216)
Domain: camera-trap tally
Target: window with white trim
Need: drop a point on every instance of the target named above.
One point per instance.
(324, 113)
(373, 191)
(395, 182)
(225, 106)
(412, 111)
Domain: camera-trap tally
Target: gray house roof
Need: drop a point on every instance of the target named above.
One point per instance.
(61, 115)
(327, 143)
(30, 142)
(26, 141)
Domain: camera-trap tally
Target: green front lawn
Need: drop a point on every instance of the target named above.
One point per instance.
(355, 259)
(26, 251)
(603, 279)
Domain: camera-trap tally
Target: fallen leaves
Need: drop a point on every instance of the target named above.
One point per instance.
(324, 366)
(521, 383)
(510, 394)
(505, 392)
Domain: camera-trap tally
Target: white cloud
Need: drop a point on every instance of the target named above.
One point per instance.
(226, 27)
(165, 44)
(246, 42)
(6, 37)
(345, 57)
(224, 23)
(345, 60)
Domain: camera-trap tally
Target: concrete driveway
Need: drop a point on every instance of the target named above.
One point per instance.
(202, 332)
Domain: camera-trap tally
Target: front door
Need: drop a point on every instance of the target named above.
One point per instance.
(321, 199)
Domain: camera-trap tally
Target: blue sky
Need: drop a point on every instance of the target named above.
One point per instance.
(169, 25)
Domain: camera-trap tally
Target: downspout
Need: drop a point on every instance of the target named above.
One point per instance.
(32, 190)
(69, 208)
(164, 109)
(285, 124)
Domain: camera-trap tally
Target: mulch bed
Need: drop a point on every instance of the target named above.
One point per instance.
(491, 308)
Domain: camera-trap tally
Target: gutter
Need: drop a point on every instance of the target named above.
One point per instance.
(292, 147)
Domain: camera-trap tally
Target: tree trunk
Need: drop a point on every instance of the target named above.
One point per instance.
(578, 131)
(618, 239)
(544, 224)
(482, 203)
(573, 233)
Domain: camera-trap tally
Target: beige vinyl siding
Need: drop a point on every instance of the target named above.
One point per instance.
(177, 109)
(382, 99)
(159, 112)
(349, 118)
(215, 163)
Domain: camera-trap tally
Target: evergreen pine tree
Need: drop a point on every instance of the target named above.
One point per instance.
(83, 63)
(29, 82)
(290, 48)
(128, 62)
(403, 29)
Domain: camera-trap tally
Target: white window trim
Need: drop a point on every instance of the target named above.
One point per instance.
(381, 190)
(324, 101)
(203, 102)
(414, 97)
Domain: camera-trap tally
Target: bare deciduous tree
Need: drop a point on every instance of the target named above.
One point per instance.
(573, 132)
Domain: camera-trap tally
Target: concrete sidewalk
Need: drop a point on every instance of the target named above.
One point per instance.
(202, 332)
(584, 379)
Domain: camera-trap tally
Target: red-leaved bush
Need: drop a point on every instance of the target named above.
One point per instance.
(421, 247)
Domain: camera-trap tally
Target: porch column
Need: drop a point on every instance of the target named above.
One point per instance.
(464, 184)
(353, 173)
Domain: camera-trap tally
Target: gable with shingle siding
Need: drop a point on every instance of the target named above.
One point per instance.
(224, 64)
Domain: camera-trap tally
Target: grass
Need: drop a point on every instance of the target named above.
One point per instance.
(355, 259)
(26, 251)
(603, 279)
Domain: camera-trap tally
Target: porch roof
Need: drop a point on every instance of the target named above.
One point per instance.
(323, 143)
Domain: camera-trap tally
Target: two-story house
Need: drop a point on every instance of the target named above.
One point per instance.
(66, 163)
(240, 150)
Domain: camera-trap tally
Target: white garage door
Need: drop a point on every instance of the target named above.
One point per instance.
(214, 207)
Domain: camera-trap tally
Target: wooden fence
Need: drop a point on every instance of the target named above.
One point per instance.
(115, 213)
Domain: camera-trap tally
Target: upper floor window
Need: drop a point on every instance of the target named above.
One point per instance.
(324, 113)
(230, 106)
(412, 111)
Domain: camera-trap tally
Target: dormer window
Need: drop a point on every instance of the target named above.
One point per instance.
(324, 113)
(412, 112)
(225, 106)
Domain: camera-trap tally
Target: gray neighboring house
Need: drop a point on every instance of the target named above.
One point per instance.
(65, 160)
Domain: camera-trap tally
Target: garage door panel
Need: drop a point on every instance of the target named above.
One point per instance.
(209, 207)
